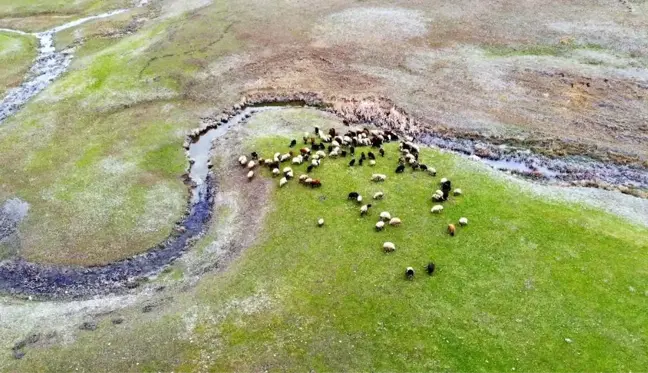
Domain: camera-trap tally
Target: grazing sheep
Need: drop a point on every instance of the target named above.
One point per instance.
(400, 168)
(437, 209)
(364, 209)
(395, 222)
(382, 152)
(282, 182)
(372, 163)
(463, 221)
(457, 192)
(423, 167)
(321, 154)
(443, 180)
(289, 175)
(352, 150)
(298, 159)
(432, 171)
(360, 162)
(352, 162)
(293, 142)
(309, 168)
(304, 151)
(430, 268)
(277, 157)
(385, 216)
(315, 183)
(363, 156)
(242, 160)
(438, 196)
(308, 181)
(284, 157)
(287, 169)
(380, 225)
(250, 175)
(409, 273)
(371, 155)
(343, 153)
(317, 131)
(451, 229)
(320, 222)
(378, 177)
(315, 162)
(359, 199)
(389, 247)
(275, 172)
(378, 195)
(302, 178)
(353, 195)
(255, 155)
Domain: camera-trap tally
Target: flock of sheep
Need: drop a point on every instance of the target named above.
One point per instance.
(321, 145)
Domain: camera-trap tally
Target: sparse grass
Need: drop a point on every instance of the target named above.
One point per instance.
(554, 50)
(16, 55)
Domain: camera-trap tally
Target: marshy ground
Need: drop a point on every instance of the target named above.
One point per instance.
(544, 277)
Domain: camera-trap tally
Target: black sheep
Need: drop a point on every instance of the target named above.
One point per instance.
(255, 156)
(309, 168)
(430, 268)
(409, 273)
(352, 162)
(423, 167)
(330, 148)
(343, 153)
(332, 132)
(352, 150)
(360, 161)
(363, 155)
(317, 130)
(371, 155)
(415, 166)
(400, 168)
(446, 187)
(293, 143)
(353, 196)
(382, 152)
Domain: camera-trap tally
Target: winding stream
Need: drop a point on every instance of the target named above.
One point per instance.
(48, 65)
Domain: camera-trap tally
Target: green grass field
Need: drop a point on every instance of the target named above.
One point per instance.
(16, 55)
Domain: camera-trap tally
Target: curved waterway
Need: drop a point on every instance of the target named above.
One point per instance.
(48, 65)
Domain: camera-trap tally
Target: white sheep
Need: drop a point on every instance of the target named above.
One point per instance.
(302, 178)
(372, 162)
(289, 175)
(308, 181)
(315, 162)
(364, 209)
(284, 157)
(378, 177)
(380, 225)
(282, 182)
(437, 196)
(436, 209)
(320, 154)
(251, 165)
(378, 195)
(320, 222)
(298, 159)
(275, 172)
(443, 181)
(409, 273)
(335, 143)
(277, 157)
(432, 171)
(395, 222)
(463, 221)
(242, 160)
(457, 192)
(385, 216)
(250, 175)
(287, 169)
(389, 247)
(359, 199)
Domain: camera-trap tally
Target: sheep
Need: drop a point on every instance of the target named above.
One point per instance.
(432, 171)
(334, 153)
(284, 157)
(423, 167)
(451, 229)
(372, 163)
(275, 172)
(380, 225)
(363, 156)
(378, 177)
(360, 162)
(293, 142)
(308, 181)
(359, 199)
(268, 162)
(321, 154)
(242, 160)
(364, 209)
(353, 195)
(382, 152)
(302, 178)
(343, 153)
(277, 157)
(463, 221)
(320, 222)
(430, 268)
(304, 151)
(378, 195)
(457, 192)
(371, 155)
(315, 162)
(305, 138)
(409, 273)
(317, 130)
(287, 169)
(352, 162)
(298, 160)
(437, 196)
(443, 180)
(437, 209)
(389, 247)
(309, 168)
(315, 183)
(250, 175)
(352, 150)
(335, 143)
(282, 182)
(255, 155)
(385, 216)
(394, 222)
(400, 168)
(289, 175)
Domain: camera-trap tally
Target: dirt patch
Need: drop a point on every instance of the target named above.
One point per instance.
(12, 212)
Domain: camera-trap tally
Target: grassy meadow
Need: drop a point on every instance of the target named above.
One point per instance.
(16, 55)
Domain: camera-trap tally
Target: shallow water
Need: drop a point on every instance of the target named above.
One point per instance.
(48, 65)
